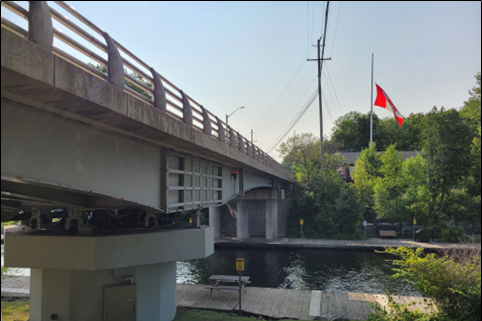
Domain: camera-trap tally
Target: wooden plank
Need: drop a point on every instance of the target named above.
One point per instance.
(325, 304)
(315, 304)
(282, 293)
(268, 302)
(293, 304)
(305, 308)
(263, 300)
(342, 299)
(249, 301)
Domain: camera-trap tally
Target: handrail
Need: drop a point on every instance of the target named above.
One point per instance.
(216, 128)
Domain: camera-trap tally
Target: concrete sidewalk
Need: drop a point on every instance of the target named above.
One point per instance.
(370, 244)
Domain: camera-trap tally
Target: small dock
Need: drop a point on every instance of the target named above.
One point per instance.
(267, 302)
(292, 304)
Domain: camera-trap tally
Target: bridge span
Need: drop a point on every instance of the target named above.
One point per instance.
(99, 174)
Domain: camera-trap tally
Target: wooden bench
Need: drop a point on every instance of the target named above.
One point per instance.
(387, 233)
(229, 288)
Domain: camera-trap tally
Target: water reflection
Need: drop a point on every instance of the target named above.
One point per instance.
(347, 271)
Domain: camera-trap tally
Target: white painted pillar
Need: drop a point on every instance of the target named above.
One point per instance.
(271, 219)
(242, 231)
(215, 220)
(156, 291)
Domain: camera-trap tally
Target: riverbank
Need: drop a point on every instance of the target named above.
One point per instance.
(370, 244)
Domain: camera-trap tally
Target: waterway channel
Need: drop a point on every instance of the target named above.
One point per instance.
(305, 269)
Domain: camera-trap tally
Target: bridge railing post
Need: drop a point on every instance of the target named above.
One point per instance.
(40, 30)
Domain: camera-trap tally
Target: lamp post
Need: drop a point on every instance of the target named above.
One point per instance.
(233, 113)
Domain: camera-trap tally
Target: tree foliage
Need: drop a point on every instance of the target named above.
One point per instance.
(327, 205)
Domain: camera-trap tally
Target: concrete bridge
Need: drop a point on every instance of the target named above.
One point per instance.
(99, 173)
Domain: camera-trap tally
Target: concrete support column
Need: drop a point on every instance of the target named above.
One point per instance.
(156, 291)
(271, 219)
(215, 220)
(242, 231)
(57, 294)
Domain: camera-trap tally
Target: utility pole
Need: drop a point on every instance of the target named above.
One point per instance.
(251, 135)
(320, 63)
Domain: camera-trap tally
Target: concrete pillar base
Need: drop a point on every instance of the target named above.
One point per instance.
(242, 230)
(271, 219)
(98, 295)
(215, 220)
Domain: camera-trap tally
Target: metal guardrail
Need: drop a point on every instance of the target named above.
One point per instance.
(169, 99)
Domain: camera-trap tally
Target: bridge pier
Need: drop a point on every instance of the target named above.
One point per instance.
(108, 277)
(242, 219)
(215, 220)
(271, 219)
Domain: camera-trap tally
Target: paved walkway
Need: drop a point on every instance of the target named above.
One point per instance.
(267, 302)
(370, 244)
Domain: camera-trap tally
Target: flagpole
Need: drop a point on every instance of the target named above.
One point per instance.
(371, 107)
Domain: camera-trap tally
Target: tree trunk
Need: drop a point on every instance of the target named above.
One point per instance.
(441, 204)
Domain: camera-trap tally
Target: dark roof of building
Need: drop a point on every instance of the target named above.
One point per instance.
(351, 157)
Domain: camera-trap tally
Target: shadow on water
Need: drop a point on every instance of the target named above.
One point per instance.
(304, 269)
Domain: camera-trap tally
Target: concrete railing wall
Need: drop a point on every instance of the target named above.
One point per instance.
(163, 95)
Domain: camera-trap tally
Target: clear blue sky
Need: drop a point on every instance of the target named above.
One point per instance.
(231, 54)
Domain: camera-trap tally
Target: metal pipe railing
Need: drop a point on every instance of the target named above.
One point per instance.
(198, 112)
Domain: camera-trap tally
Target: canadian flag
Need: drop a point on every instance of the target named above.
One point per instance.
(385, 102)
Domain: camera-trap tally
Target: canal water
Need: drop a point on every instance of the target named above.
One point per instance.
(304, 269)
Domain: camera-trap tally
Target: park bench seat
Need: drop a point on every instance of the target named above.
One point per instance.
(387, 233)
(229, 288)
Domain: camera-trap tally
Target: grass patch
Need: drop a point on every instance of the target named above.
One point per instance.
(15, 311)
(206, 315)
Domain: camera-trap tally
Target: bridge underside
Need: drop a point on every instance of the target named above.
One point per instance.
(99, 178)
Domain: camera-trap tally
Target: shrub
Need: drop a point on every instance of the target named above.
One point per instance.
(453, 233)
(451, 279)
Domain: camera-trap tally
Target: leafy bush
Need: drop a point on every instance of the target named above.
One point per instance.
(453, 233)
(452, 280)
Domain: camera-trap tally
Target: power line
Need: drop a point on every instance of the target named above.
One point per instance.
(336, 96)
(336, 28)
(284, 91)
(294, 121)
(283, 108)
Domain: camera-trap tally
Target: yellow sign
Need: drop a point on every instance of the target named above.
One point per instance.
(414, 221)
(302, 222)
(190, 221)
(239, 264)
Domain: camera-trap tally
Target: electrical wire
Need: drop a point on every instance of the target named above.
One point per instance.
(284, 91)
(295, 121)
(284, 110)
(336, 28)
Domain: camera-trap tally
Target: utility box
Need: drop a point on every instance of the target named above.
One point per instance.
(120, 302)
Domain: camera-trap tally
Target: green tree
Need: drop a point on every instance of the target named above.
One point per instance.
(352, 131)
(448, 153)
(367, 170)
(389, 187)
(328, 206)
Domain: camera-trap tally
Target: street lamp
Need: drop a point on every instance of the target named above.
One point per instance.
(233, 113)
